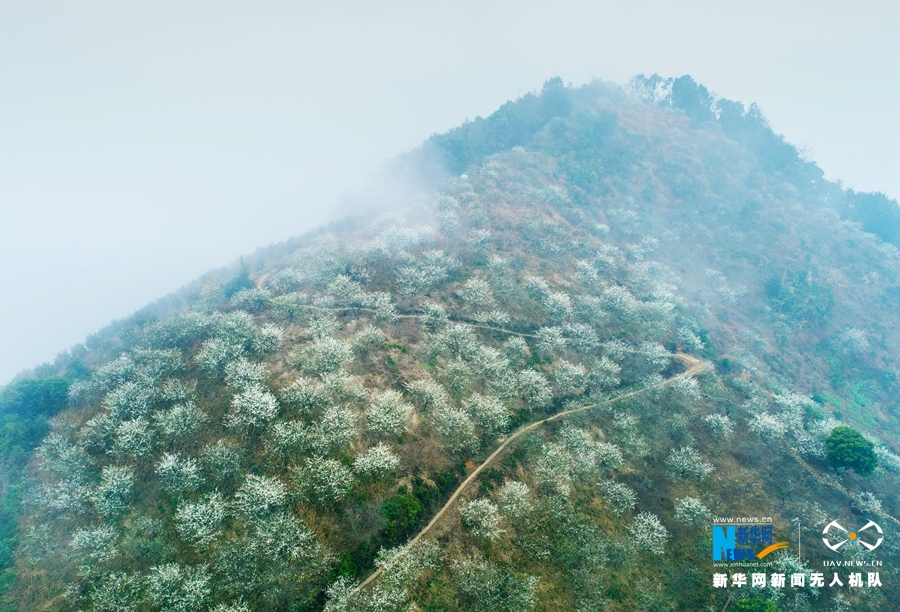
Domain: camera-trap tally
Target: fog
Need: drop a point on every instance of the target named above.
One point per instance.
(141, 146)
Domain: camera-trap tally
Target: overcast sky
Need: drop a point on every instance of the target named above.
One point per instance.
(144, 143)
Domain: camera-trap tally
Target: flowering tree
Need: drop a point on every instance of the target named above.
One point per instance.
(485, 586)
(113, 495)
(134, 438)
(252, 408)
(252, 299)
(94, 546)
(201, 522)
(568, 379)
(178, 474)
(649, 533)
(513, 499)
(482, 518)
(116, 592)
(180, 422)
(719, 425)
(534, 389)
(377, 460)
(490, 414)
(335, 429)
(259, 496)
(178, 588)
(433, 317)
(306, 394)
(243, 374)
(325, 355)
(388, 413)
(620, 498)
(687, 463)
(324, 480)
(690, 510)
(220, 461)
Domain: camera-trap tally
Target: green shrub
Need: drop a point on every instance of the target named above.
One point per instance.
(847, 448)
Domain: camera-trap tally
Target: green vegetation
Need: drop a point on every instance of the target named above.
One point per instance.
(847, 448)
(656, 264)
(753, 605)
(24, 408)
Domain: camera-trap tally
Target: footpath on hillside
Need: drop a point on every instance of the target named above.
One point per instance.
(693, 367)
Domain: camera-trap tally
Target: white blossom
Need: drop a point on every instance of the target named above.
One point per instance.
(388, 413)
(376, 460)
(135, 438)
(719, 425)
(690, 341)
(690, 510)
(620, 497)
(476, 294)
(433, 317)
(489, 413)
(113, 494)
(568, 379)
(306, 394)
(97, 545)
(325, 355)
(649, 533)
(177, 588)
(887, 460)
(428, 394)
(485, 586)
(482, 517)
(516, 351)
(558, 305)
(513, 499)
(116, 592)
(335, 429)
(767, 425)
(215, 354)
(455, 426)
(252, 407)
(259, 496)
(688, 463)
(534, 389)
(324, 479)
(286, 437)
(243, 374)
(201, 522)
(181, 421)
(550, 339)
(867, 502)
(178, 474)
(64, 458)
(253, 299)
(220, 460)
(286, 280)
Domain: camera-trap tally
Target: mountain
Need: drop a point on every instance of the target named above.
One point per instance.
(611, 335)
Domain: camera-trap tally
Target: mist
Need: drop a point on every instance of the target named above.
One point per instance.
(143, 146)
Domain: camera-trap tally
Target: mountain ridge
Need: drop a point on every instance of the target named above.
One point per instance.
(332, 391)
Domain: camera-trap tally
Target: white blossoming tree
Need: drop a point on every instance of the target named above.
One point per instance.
(482, 518)
(376, 461)
(649, 533)
(387, 413)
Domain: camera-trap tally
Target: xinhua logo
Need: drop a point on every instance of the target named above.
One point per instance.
(739, 542)
(834, 530)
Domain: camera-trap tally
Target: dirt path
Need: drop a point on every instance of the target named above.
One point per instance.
(694, 367)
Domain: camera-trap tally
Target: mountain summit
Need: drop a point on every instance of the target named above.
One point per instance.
(607, 319)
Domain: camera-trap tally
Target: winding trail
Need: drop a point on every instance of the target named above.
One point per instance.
(694, 367)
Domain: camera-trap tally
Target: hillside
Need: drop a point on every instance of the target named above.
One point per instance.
(606, 318)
